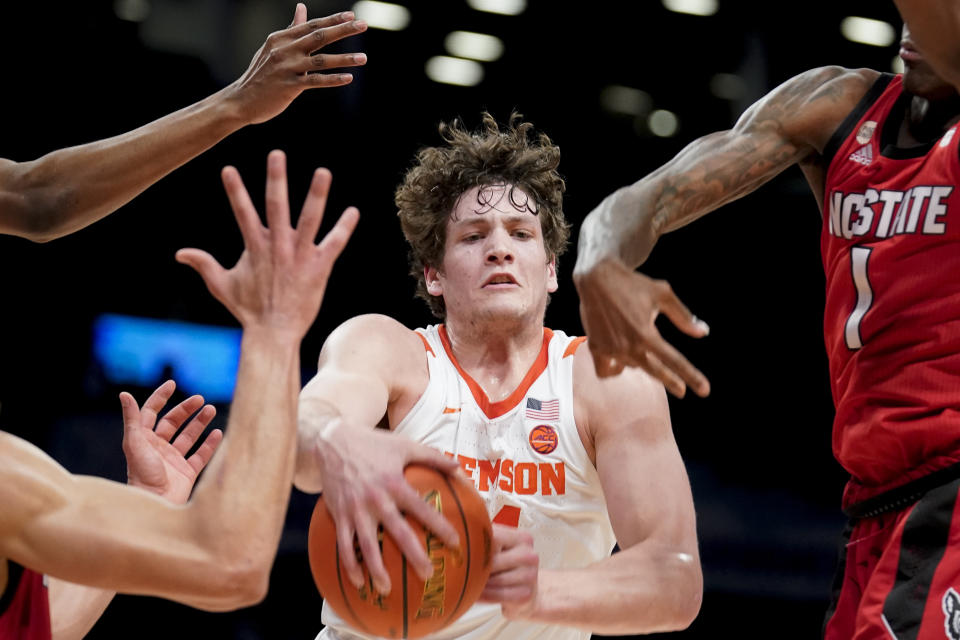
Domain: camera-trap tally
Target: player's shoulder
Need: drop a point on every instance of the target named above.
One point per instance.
(373, 337)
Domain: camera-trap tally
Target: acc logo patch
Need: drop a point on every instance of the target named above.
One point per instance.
(543, 438)
(951, 612)
(866, 131)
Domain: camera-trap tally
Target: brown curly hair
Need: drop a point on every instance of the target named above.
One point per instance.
(491, 156)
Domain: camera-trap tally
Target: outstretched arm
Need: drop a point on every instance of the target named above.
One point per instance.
(619, 306)
(654, 583)
(363, 367)
(216, 551)
(71, 188)
(156, 461)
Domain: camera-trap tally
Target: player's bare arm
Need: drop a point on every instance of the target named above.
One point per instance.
(156, 455)
(71, 188)
(371, 368)
(216, 551)
(654, 583)
(619, 306)
(935, 25)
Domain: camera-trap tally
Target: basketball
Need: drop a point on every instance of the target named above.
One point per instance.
(413, 608)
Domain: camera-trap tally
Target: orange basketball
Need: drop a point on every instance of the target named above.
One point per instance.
(413, 608)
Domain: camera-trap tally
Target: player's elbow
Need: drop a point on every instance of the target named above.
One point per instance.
(243, 583)
(684, 590)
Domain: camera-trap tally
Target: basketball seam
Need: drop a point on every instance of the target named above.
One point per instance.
(466, 535)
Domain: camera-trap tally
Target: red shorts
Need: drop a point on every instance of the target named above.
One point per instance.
(899, 575)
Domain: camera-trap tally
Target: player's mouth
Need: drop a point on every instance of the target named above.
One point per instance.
(500, 281)
(909, 53)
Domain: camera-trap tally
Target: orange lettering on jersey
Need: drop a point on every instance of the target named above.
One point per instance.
(506, 476)
(510, 476)
(467, 464)
(553, 478)
(488, 474)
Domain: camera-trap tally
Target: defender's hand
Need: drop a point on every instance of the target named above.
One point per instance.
(515, 571)
(291, 61)
(156, 461)
(618, 308)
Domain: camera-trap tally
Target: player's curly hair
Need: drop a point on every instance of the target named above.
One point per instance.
(490, 156)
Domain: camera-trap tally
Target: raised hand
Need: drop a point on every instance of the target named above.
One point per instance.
(619, 307)
(278, 282)
(290, 62)
(156, 460)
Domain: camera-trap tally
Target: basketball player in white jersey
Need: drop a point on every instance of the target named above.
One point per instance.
(567, 463)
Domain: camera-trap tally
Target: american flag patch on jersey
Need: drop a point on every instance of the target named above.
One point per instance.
(543, 409)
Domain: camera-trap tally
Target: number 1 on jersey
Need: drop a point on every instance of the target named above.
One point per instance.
(859, 256)
(508, 515)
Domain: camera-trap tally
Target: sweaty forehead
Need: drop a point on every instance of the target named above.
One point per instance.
(502, 198)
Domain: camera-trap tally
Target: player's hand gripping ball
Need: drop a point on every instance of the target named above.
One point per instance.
(413, 608)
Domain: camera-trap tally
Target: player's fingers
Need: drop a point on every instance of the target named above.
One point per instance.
(131, 412)
(323, 80)
(413, 504)
(409, 543)
(671, 381)
(368, 534)
(678, 365)
(325, 61)
(347, 547)
(604, 364)
(680, 315)
(205, 451)
(299, 14)
(421, 454)
(311, 215)
(174, 419)
(278, 205)
(336, 239)
(297, 30)
(155, 403)
(213, 275)
(188, 437)
(243, 210)
(314, 39)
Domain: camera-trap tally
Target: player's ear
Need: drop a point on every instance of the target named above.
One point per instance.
(552, 284)
(432, 277)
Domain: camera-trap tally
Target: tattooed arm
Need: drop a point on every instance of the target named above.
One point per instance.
(618, 306)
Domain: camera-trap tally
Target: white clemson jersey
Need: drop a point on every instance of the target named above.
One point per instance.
(528, 462)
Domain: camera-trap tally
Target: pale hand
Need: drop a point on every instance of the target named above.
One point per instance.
(619, 307)
(278, 282)
(364, 487)
(514, 572)
(290, 62)
(156, 461)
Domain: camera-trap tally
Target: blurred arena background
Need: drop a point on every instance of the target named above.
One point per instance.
(620, 86)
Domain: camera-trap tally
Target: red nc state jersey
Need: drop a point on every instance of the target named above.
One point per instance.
(24, 606)
(891, 253)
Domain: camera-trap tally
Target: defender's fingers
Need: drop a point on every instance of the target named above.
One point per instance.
(671, 381)
(346, 539)
(679, 365)
(325, 61)
(205, 451)
(409, 543)
(174, 419)
(278, 205)
(605, 365)
(368, 538)
(323, 80)
(299, 14)
(296, 31)
(210, 271)
(243, 210)
(156, 402)
(679, 314)
(131, 412)
(333, 243)
(314, 39)
(311, 215)
(194, 429)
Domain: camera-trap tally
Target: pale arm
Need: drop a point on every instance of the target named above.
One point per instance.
(364, 367)
(619, 306)
(156, 461)
(216, 551)
(71, 188)
(654, 583)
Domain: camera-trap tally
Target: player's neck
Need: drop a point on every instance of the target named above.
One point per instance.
(927, 119)
(498, 359)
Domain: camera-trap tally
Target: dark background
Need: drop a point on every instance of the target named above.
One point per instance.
(758, 450)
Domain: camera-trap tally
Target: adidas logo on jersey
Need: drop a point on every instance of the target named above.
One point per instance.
(863, 155)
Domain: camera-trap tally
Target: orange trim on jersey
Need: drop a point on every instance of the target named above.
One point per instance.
(426, 345)
(497, 409)
(573, 346)
(451, 410)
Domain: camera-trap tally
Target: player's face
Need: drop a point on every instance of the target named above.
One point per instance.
(495, 265)
(919, 78)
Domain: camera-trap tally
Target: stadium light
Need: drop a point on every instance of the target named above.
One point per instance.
(382, 15)
(448, 70)
(476, 46)
(876, 33)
